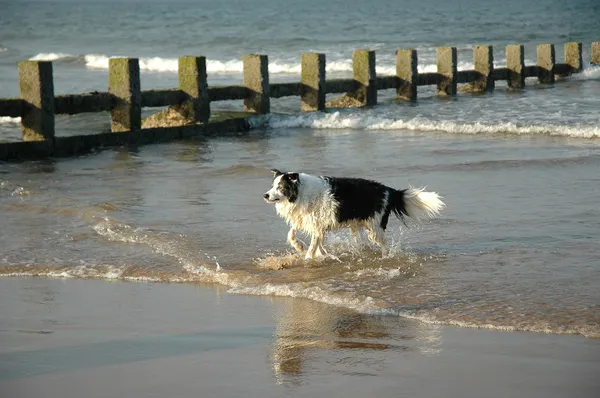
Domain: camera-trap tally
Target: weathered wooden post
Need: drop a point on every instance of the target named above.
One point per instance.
(595, 53)
(546, 58)
(37, 91)
(406, 71)
(363, 67)
(313, 82)
(256, 81)
(573, 56)
(124, 85)
(483, 58)
(515, 62)
(447, 67)
(193, 82)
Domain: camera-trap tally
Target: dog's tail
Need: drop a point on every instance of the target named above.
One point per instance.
(416, 203)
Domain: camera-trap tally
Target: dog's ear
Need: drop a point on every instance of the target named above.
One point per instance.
(276, 172)
(293, 177)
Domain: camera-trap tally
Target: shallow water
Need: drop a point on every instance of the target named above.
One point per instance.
(516, 248)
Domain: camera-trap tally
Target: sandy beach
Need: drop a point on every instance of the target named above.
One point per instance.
(73, 338)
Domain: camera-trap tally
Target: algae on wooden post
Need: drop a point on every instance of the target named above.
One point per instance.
(406, 71)
(447, 67)
(515, 62)
(193, 82)
(363, 67)
(573, 56)
(546, 58)
(483, 58)
(124, 85)
(37, 91)
(313, 82)
(595, 53)
(256, 81)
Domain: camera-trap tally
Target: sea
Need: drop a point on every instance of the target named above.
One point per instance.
(516, 249)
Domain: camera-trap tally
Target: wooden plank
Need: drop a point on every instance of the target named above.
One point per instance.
(155, 98)
(73, 104)
(11, 107)
(225, 93)
(427, 79)
(278, 90)
(386, 82)
(340, 86)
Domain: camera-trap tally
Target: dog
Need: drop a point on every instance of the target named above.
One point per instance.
(316, 205)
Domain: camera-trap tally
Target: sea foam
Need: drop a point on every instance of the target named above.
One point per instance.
(368, 121)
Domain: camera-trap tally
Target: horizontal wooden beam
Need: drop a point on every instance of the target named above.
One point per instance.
(500, 73)
(340, 86)
(155, 98)
(427, 79)
(72, 104)
(278, 90)
(12, 107)
(386, 82)
(225, 93)
(468, 76)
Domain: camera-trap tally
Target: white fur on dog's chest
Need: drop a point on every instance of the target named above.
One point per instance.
(314, 209)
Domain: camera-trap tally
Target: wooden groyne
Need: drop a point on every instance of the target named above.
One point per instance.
(192, 100)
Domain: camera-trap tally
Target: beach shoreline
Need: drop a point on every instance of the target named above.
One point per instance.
(71, 338)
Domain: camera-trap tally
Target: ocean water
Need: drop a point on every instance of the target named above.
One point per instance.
(516, 249)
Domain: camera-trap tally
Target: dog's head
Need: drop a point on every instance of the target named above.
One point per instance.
(284, 187)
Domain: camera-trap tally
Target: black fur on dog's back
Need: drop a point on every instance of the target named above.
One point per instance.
(360, 199)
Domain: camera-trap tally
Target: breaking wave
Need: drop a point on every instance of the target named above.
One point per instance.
(10, 120)
(233, 66)
(397, 286)
(368, 121)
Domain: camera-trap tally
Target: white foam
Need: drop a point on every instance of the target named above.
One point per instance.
(233, 66)
(368, 121)
(51, 56)
(9, 120)
(590, 72)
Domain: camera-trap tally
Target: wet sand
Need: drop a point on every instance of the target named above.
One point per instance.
(74, 338)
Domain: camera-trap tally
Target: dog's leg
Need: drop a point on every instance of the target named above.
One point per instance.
(295, 242)
(314, 245)
(321, 252)
(377, 236)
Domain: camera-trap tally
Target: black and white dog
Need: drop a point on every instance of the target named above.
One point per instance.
(318, 204)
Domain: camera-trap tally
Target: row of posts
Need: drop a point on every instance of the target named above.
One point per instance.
(37, 87)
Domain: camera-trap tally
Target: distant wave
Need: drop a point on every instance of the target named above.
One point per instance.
(234, 66)
(9, 120)
(367, 121)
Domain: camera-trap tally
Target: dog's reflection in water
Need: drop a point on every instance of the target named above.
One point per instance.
(314, 338)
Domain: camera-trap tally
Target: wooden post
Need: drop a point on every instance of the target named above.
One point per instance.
(37, 91)
(363, 66)
(313, 82)
(595, 53)
(193, 82)
(124, 85)
(515, 62)
(447, 67)
(406, 71)
(256, 81)
(483, 58)
(546, 58)
(573, 56)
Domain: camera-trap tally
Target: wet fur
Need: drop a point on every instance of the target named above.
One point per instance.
(316, 205)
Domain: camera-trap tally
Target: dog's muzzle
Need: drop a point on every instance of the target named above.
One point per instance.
(267, 198)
